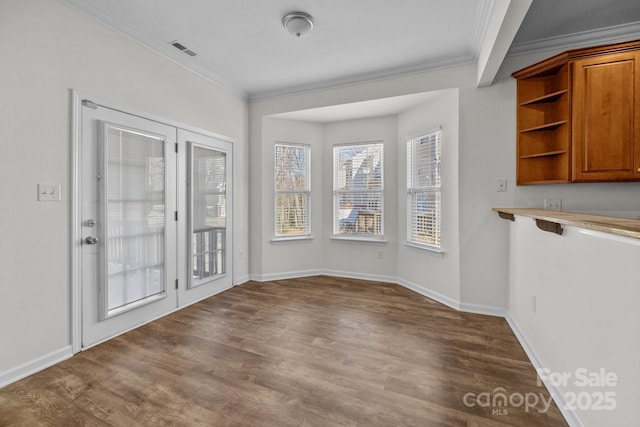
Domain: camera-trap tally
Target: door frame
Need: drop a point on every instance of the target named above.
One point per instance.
(77, 98)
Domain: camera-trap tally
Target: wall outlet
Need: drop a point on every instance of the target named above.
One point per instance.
(553, 204)
(48, 192)
(380, 254)
(501, 185)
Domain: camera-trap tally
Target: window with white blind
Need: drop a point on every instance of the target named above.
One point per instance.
(358, 190)
(292, 190)
(424, 204)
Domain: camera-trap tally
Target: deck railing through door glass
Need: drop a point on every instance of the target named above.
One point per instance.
(208, 252)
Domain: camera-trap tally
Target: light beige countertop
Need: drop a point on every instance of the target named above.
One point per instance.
(607, 224)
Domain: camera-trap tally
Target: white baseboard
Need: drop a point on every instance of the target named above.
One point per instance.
(36, 365)
(286, 275)
(571, 417)
(449, 302)
(361, 276)
(483, 309)
(241, 279)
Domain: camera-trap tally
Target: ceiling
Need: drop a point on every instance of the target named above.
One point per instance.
(360, 110)
(241, 44)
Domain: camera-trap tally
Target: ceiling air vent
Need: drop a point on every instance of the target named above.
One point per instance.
(182, 48)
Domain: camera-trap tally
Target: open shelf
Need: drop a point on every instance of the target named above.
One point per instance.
(551, 97)
(546, 126)
(547, 154)
(543, 111)
(546, 181)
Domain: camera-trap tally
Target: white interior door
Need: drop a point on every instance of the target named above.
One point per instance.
(206, 248)
(129, 231)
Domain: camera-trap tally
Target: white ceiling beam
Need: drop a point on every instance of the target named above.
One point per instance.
(504, 21)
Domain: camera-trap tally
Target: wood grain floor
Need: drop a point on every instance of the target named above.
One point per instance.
(317, 351)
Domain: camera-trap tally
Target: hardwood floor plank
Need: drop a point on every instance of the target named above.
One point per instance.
(315, 351)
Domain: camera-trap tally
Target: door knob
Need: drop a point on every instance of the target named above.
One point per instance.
(91, 240)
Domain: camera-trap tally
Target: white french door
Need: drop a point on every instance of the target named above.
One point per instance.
(129, 232)
(154, 208)
(205, 168)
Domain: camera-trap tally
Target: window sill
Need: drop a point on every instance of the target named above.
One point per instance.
(431, 250)
(292, 239)
(359, 239)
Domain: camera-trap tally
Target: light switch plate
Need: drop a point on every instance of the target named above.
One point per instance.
(501, 185)
(48, 192)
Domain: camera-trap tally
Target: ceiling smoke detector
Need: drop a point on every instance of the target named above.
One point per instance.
(297, 23)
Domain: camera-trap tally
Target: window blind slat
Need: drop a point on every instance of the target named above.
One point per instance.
(424, 204)
(292, 181)
(358, 189)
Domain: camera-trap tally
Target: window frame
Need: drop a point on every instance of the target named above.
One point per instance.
(413, 188)
(365, 237)
(279, 237)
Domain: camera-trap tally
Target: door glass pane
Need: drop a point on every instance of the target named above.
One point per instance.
(208, 206)
(135, 218)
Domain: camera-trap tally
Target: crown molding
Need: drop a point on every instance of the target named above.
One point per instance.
(606, 35)
(164, 50)
(363, 78)
(483, 17)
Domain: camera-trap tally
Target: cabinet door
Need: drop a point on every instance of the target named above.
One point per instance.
(606, 118)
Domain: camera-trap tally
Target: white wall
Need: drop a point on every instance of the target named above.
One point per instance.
(362, 257)
(487, 152)
(299, 256)
(586, 316)
(47, 50)
(281, 259)
(429, 271)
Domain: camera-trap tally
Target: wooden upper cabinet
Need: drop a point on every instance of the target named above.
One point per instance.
(605, 117)
(579, 117)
